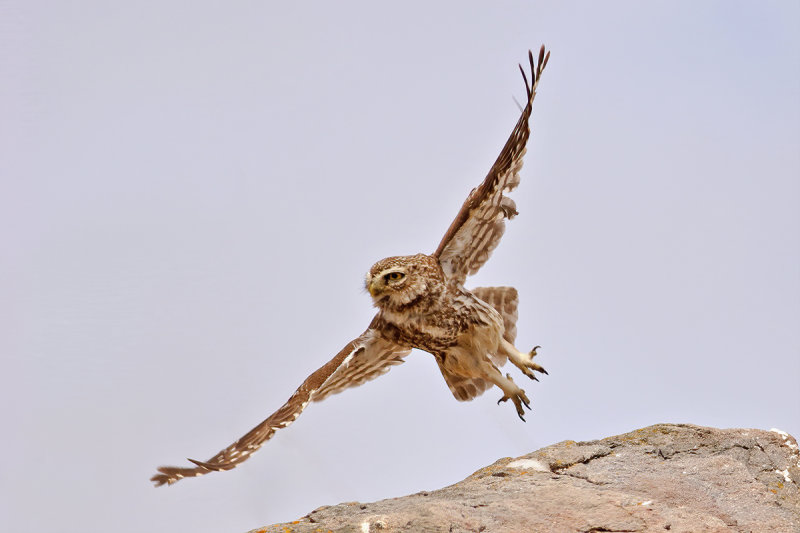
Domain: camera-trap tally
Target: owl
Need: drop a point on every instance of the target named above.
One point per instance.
(422, 303)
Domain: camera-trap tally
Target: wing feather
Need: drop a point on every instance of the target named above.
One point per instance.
(505, 301)
(374, 359)
(363, 359)
(464, 389)
(479, 225)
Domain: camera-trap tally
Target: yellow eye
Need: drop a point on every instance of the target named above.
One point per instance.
(394, 276)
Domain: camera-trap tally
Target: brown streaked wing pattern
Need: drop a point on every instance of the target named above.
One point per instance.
(362, 359)
(464, 389)
(376, 358)
(505, 301)
(480, 223)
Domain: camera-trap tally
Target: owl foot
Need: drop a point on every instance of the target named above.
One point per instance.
(529, 366)
(519, 398)
(523, 361)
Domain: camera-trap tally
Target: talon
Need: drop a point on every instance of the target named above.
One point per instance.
(520, 410)
(528, 372)
(524, 399)
(533, 351)
(503, 399)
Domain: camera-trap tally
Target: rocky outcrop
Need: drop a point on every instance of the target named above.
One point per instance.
(665, 478)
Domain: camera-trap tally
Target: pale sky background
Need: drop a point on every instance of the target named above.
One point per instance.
(191, 192)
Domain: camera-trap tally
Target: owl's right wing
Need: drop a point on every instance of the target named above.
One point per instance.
(363, 359)
(480, 223)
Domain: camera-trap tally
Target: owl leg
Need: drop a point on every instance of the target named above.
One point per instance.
(523, 361)
(511, 392)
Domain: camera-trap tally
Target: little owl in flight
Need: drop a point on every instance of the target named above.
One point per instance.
(422, 303)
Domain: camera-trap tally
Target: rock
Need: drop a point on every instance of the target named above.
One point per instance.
(665, 478)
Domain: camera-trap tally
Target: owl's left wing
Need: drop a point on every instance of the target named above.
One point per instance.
(480, 223)
(363, 359)
(373, 357)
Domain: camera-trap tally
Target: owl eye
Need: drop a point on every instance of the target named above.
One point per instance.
(394, 276)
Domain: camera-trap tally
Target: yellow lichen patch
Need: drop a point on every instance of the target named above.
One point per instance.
(491, 469)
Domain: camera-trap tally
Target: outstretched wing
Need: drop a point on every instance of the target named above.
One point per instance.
(477, 229)
(363, 359)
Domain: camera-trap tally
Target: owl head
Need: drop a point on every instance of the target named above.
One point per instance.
(399, 281)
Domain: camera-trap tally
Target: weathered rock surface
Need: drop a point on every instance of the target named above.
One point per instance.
(665, 478)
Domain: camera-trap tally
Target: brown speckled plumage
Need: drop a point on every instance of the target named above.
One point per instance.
(422, 303)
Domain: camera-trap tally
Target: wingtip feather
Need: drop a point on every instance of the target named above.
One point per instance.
(525, 78)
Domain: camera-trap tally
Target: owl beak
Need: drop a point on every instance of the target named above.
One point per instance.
(373, 286)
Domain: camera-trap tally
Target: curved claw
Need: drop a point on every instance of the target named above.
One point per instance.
(534, 366)
(520, 399)
(529, 373)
